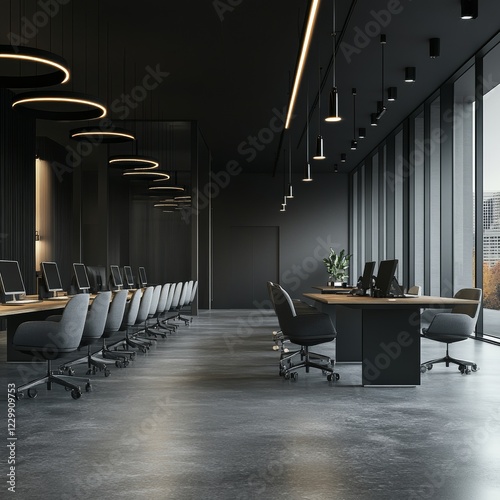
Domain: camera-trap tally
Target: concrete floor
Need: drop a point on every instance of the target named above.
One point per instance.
(204, 414)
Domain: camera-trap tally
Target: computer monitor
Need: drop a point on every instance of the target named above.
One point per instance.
(11, 279)
(116, 277)
(129, 276)
(366, 279)
(52, 278)
(142, 277)
(82, 278)
(385, 277)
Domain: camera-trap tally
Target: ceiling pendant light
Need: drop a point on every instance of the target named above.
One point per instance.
(336, 168)
(361, 133)
(283, 204)
(99, 135)
(392, 93)
(47, 69)
(135, 162)
(333, 107)
(354, 142)
(434, 47)
(373, 120)
(146, 175)
(381, 109)
(61, 105)
(410, 74)
(320, 154)
(307, 165)
(469, 9)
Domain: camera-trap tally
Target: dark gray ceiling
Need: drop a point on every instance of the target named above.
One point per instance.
(230, 64)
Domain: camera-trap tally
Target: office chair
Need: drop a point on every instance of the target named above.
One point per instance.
(455, 326)
(49, 340)
(135, 340)
(92, 333)
(176, 298)
(114, 320)
(162, 321)
(305, 330)
(187, 288)
(129, 319)
(158, 303)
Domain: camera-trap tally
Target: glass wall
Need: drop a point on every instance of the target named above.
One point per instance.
(491, 193)
(429, 195)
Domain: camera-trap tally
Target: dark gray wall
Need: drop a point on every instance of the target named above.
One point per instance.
(315, 219)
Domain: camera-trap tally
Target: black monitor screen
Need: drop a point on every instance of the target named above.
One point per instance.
(51, 276)
(129, 277)
(10, 277)
(142, 276)
(117, 277)
(385, 275)
(366, 280)
(81, 276)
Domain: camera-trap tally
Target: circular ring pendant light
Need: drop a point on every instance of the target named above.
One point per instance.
(61, 105)
(146, 175)
(135, 162)
(46, 68)
(113, 135)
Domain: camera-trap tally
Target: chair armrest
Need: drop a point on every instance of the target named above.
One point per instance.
(451, 324)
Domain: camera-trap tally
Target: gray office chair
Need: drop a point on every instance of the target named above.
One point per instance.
(455, 326)
(304, 330)
(114, 320)
(134, 339)
(92, 333)
(129, 319)
(49, 340)
(163, 320)
(155, 327)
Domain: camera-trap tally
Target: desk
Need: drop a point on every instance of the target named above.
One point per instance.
(384, 334)
(334, 289)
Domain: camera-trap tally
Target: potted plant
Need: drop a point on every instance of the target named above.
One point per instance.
(336, 266)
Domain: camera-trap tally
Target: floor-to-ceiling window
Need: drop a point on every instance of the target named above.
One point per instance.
(491, 193)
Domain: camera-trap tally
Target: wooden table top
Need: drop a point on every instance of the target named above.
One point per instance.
(356, 300)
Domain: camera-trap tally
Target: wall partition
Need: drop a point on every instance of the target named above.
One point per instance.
(429, 194)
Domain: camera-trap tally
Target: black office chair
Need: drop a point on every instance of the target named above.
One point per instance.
(304, 330)
(49, 340)
(455, 326)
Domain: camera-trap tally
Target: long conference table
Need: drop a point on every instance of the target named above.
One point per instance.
(381, 333)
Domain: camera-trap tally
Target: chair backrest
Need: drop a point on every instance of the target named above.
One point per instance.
(471, 310)
(193, 291)
(415, 290)
(162, 302)
(177, 295)
(132, 309)
(154, 300)
(72, 322)
(170, 297)
(184, 293)
(283, 305)
(143, 313)
(97, 315)
(116, 312)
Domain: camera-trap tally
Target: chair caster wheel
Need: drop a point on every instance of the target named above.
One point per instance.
(143, 349)
(88, 387)
(286, 376)
(71, 371)
(89, 372)
(126, 362)
(474, 368)
(19, 395)
(118, 364)
(462, 369)
(132, 356)
(107, 373)
(76, 393)
(429, 366)
(294, 376)
(423, 369)
(32, 393)
(337, 376)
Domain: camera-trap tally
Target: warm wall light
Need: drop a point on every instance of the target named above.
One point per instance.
(302, 59)
(392, 93)
(40, 59)
(434, 47)
(37, 236)
(469, 9)
(410, 74)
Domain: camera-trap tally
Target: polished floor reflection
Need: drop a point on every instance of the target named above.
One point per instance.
(204, 414)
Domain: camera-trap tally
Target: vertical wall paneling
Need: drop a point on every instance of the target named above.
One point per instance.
(17, 188)
(195, 176)
(390, 183)
(427, 198)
